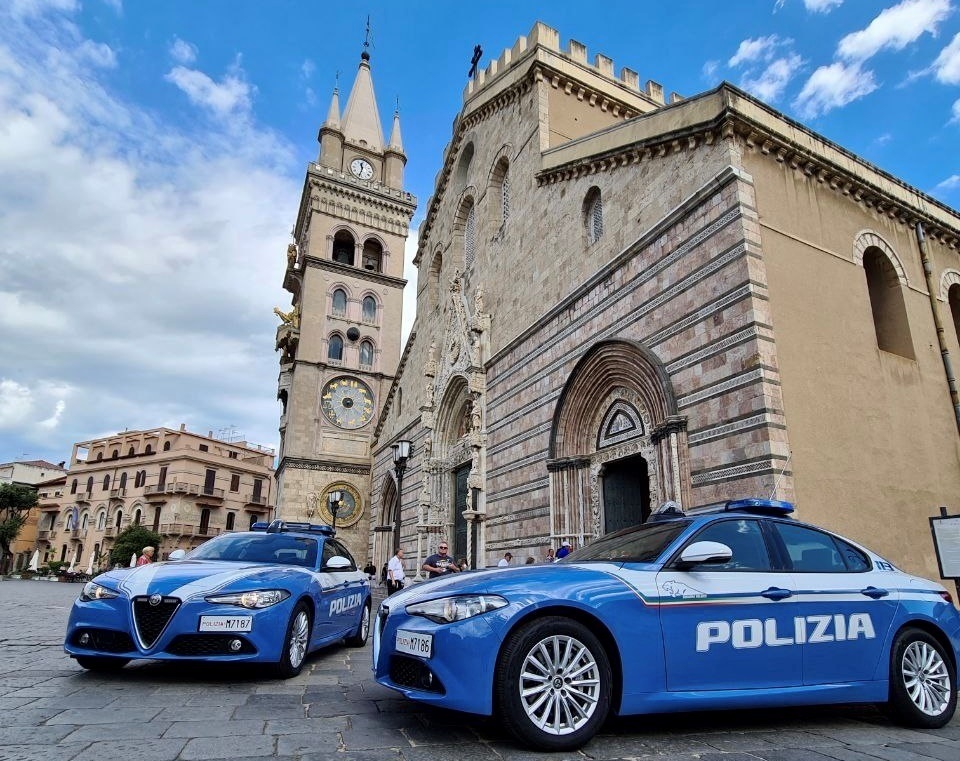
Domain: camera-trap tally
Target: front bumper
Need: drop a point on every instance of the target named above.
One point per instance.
(459, 673)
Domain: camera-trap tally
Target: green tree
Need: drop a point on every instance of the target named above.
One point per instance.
(131, 541)
(15, 504)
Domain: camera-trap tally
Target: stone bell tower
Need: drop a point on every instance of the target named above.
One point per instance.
(340, 342)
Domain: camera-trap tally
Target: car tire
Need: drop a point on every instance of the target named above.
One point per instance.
(534, 691)
(359, 637)
(296, 643)
(923, 681)
(101, 663)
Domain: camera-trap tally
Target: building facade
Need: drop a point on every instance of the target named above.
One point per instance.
(44, 477)
(340, 342)
(625, 299)
(182, 485)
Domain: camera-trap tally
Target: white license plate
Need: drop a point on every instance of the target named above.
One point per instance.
(414, 643)
(226, 623)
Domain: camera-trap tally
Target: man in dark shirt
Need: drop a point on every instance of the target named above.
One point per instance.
(440, 563)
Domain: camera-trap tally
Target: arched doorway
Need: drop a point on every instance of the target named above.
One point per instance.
(626, 493)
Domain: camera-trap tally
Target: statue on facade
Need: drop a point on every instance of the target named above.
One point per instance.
(291, 318)
(475, 419)
(291, 254)
(478, 303)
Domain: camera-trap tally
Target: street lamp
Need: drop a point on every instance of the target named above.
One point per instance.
(401, 452)
(335, 504)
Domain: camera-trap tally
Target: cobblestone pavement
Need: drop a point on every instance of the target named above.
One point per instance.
(52, 710)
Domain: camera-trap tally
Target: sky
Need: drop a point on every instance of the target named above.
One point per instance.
(152, 156)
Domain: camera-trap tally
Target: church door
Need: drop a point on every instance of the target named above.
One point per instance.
(626, 493)
(459, 548)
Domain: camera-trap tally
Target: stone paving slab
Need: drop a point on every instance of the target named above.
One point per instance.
(335, 711)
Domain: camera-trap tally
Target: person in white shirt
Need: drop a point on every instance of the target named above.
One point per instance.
(505, 560)
(395, 574)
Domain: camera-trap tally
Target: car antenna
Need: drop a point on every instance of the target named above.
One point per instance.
(776, 483)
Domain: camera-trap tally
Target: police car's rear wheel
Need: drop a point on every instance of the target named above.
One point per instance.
(295, 643)
(922, 681)
(359, 638)
(553, 684)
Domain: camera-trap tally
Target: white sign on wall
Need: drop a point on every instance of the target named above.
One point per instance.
(946, 541)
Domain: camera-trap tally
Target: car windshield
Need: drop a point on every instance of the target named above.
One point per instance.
(639, 544)
(259, 548)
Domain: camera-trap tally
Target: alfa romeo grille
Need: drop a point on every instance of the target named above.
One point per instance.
(151, 620)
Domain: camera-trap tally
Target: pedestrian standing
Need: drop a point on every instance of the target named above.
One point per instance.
(395, 574)
(565, 548)
(505, 560)
(440, 563)
(550, 556)
(147, 556)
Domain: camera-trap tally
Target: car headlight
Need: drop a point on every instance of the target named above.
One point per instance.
(445, 610)
(263, 598)
(93, 591)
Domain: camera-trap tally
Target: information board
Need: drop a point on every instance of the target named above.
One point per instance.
(946, 540)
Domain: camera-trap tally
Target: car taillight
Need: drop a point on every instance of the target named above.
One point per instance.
(946, 596)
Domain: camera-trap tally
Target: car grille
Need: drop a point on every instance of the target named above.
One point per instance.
(104, 640)
(151, 620)
(411, 672)
(196, 645)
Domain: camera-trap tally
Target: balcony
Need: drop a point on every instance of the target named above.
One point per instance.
(211, 492)
(44, 536)
(188, 529)
(182, 487)
(76, 535)
(256, 500)
(83, 496)
(109, 531)
(118, 493)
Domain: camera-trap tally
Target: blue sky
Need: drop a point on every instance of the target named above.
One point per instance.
(152, 156)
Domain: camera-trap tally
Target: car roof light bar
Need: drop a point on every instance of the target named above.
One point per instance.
(759, 506)
(278, 526)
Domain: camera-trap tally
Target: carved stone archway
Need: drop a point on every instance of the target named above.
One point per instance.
(618, 402)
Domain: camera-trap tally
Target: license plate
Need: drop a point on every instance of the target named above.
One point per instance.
(414, 643)
(226, 623)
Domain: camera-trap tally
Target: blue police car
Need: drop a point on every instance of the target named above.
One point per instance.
(270, 595)
(740, 606)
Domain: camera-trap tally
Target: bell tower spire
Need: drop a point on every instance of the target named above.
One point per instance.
(361, 120)
(330, 136)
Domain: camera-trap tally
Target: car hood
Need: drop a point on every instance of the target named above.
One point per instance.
(187, 578)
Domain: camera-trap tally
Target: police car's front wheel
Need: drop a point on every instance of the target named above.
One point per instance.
(553, 684)
(296, 642)
(922, 681)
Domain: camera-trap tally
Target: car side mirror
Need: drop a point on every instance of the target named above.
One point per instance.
(176, 555)
(704, 553)
(338, 563)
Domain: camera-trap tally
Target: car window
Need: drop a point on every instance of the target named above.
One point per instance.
(640, 544)
(813, 551)
(855, 558)
(329, 551)
(745, 539)
(259, 548)
(336, 548)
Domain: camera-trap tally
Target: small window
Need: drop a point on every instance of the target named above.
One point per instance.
(343, 248)
(204, 448)
(744, 538)
(101, 520)
(593, 207)
(233, 455)
(335, 349)
(204, 521)
(366, 354)
(953, 298)
(99, 456)
(73, 486)
(235, 482)
(137, 517)
(369, 309)
(166, 446)
(119, 519)
(340, 302)
(90, 485)
(106, 483)
(505, 199)
(148, 449)
(470, 237)
(115, 454)
(131, 452)
(231, 519)
(372, 256)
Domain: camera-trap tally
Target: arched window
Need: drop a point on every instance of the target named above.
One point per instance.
(156, 518)
(90, 485)
(343, 248)
(231, 518)
(373, 256)
(400, 400)
(434, 283)
(500, 187)
(335, 348)
(73, 486)
(118, 519)
(166, 446)
(123, 480)
(131, 452)
(470, 237)
(106, 483)
(63, 553)
(340, 302)
(505, 198)
(593, 215)
(886, 302)
(366, 354)
(369, 309)
(137, 516)
(140, 479)
(99, 456)
(101, 520)
(148, 449)
(204, 520)
(115, 454)
(953, 298)
(84, 520)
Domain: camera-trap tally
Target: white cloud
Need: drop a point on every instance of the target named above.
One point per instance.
(758, 49)
(946, 67)
(951, 183)
(183, 52)
(833, 86)
(307, 68)
(709, 70)
(956, 113)
(821, 6)
(152, 299)
(231, 94)
(769, 84)
(27, 8)
(895, 28)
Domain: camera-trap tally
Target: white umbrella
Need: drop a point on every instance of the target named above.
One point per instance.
(133, 560)
(90, 566)
(35, 561)
(73, 564)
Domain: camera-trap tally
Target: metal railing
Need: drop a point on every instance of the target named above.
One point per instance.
(188, 529)
(256, 499)
(117, 493)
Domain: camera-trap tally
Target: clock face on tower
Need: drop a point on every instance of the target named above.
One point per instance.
(347, 402)
(361, 169)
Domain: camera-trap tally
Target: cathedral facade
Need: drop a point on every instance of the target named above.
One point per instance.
(626, 298)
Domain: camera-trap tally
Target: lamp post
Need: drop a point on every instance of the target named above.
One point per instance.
(401, 452)
(335, 504)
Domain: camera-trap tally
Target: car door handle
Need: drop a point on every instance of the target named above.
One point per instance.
(875, 592)
(775, 593)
